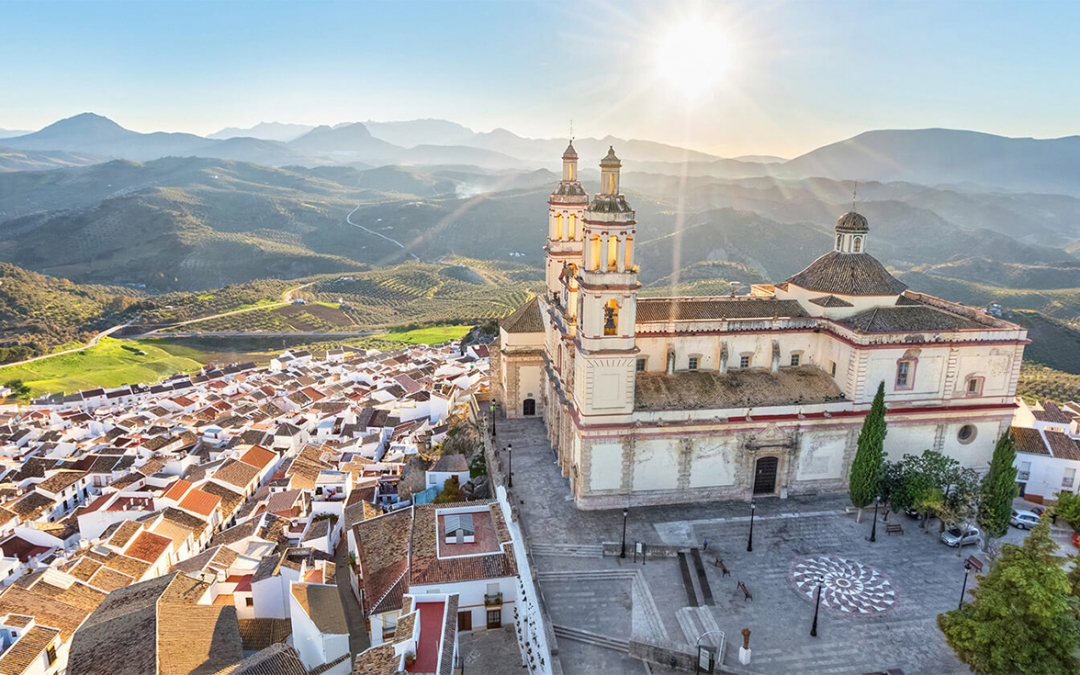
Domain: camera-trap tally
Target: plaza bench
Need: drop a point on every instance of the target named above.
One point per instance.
(723, 568)
(746, 592)
(894, 528)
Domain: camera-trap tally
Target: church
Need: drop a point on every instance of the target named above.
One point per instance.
(681, 399)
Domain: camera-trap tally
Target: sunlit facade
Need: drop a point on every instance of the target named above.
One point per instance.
(667, 400)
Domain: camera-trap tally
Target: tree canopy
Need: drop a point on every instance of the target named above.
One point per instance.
(867, 469)
(1022, 617)
(998, 489)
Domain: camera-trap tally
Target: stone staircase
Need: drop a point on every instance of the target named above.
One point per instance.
(590, 638)
(568, 550)
(696, 622)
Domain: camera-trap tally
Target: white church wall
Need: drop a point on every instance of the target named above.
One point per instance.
(606, 466)
(822, 455)
(713, 463)
(908, 439)
(978, 449)
(656, 465)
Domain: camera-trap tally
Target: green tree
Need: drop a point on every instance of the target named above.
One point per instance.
(478, 466)
(998, 490)
(867, 469)
(19, 389)
(1068, 508)
(450, 493)
(1022, 618)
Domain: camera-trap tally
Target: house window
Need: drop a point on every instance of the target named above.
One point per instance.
(640, 367)
(856, 245)
(1068, 478)
(905, 374)
(50, 654)
(832, 368)
(1025, 471)
(974, 386)
(744, 361)
(249, 602)
(693, 363)
(794, 360)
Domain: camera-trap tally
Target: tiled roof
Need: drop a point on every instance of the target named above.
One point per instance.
(1030, 441)
(382, 552)
(754, 387)
(229, 499)
(426, 567)
(908, 318)
(31, 506)
(216, 558)
(46, 611)
(124, 532)
(177, 490)
(27, 650)
(277, 659)
(148, 547)
(197, 639)
(526, 319)
(655, 310)
(830, 301)
(323, 605)
(848, 274)
(1050, 412)
(451, 464)
(200, 501)
(1062, 446)
(381, 660)
(61, 480)
(236, 473)
(258, 457)
(261, 633)
(108, 580)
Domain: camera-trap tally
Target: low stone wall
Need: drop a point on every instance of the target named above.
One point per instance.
(666, 653)
(614, 548)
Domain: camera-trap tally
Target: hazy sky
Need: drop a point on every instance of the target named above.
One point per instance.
(796, 74)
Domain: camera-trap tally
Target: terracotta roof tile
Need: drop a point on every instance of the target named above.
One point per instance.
(148, 547)
(848, 274)
(200, 501)
(1029, 441)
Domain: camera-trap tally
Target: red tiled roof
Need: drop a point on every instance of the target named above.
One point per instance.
(148, 547)
(200, 502)
(177, 490)
(258, 456)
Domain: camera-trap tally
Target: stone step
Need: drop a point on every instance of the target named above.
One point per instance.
(590, 638)
(688, 624)
(584, 575)
(568, 550)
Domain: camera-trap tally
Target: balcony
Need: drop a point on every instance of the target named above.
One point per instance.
(1023, 475)
(493, 600)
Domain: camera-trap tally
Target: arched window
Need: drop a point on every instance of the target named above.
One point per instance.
(839, 242)
(558, 226)
(594, 253)
(611, 318)
(629, 255)
(613, 253)
(856, 245)
(570, 172)
(573, 226)
(611, 184)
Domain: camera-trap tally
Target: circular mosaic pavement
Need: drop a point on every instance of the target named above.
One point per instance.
(848, 586)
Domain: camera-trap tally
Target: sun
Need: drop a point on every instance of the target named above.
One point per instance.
(693, 57)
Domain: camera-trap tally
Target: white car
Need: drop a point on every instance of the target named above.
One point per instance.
(1025, 520)
(954, 536)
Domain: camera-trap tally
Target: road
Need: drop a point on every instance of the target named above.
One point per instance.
(250, 334)
(348, 219)
(286, 298)
(88, 345)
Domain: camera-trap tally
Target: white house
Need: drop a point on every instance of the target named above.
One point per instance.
(320, 632)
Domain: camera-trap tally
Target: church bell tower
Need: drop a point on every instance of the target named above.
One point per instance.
(608, 288)
(565, 240)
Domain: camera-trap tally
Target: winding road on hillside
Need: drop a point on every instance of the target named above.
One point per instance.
(348, 219)
(286, 299)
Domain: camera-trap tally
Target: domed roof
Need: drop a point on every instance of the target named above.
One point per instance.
(848, 274)
(610, 160)
(570, 153)
(852, 222)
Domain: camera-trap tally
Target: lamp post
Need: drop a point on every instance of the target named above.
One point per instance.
(817, 606)
(510, 463)
(492, 420)
(972, 563)
(625, 513)
(750, 541)
(873, 530)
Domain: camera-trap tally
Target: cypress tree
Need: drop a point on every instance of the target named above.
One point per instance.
(1023, 617)
(867, 469)
(999, 489)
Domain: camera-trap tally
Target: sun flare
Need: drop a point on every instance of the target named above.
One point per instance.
(693, 57)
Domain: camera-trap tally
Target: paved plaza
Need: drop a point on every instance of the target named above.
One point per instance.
(879, 604)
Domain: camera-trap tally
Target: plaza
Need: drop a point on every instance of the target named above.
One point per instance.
(878, 611)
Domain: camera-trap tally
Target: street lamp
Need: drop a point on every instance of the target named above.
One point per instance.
(510, 462)
(972, 563)
(625, 513)
(492, 420)
(873, 530)
(817, 606)
(750, 541)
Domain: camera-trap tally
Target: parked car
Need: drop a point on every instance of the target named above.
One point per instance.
(1038, 509)
(911, 513)
(955, 536)
(1025, 520)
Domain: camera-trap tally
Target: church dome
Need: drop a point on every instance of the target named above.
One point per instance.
(610, 160)
(852, 222)
(570, 153)
(846, 274)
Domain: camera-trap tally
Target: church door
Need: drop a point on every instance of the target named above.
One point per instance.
(529, 406)
(765, 476)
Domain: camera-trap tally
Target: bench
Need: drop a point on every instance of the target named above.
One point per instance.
(746, 592)
(723, 568)
(894, 528)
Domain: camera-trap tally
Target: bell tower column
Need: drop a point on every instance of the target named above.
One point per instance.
(565, 243)
(608, 286)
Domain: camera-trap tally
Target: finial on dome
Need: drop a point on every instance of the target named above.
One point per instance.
(610, 159)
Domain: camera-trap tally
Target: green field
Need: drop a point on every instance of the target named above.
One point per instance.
(435, 335)
(106, 364)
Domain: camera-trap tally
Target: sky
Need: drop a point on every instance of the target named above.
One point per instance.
(770, 77)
